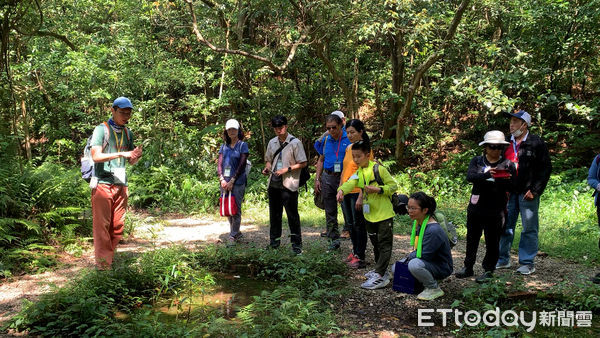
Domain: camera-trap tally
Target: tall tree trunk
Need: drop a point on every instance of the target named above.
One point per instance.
(398, 69)
(25, 120)
(416, 80)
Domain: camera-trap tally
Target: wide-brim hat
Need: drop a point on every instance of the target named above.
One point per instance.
(493, 137)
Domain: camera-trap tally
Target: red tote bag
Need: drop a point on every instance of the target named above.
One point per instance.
(227, 206)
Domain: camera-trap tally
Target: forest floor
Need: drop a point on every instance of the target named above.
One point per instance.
(380, 312)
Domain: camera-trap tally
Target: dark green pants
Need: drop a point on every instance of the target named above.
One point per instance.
(381, 236)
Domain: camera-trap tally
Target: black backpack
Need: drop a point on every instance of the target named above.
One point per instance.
(399, 201)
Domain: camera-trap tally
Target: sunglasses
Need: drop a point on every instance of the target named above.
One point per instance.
(332, 128)
(495, 146)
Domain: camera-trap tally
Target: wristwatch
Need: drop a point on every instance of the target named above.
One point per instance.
(289, 169)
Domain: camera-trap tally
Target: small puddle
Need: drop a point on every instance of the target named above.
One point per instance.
(230, 293)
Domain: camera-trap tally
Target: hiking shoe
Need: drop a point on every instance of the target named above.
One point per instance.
(464, 273)
(527, 269)
(238, 236)
(596, 279)
(430, 294)
(357, 263)
(324, 233)
(485, 277)
(345, 234)
(376, 282)
(350, 257)
(370, 274)
(297, 251)
(334, 245)
(503, 265)
(231, 242)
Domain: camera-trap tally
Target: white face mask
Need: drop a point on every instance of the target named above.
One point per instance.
(517, 132)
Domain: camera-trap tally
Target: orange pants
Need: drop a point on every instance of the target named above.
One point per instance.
(109, 203)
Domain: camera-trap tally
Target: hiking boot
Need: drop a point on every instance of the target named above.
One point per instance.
(464, 273)
(357, 263)
(503, 265)
(527, 269)
(350, 257)
(376, 282)
(345, 234)
(430, 294)
(485, 277)
(596, 279)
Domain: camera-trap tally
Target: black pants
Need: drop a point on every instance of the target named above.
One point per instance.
(358, 231)
(598, 214)
(491, 224)
(278, 199)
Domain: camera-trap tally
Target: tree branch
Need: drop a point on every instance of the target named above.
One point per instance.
(276, 68)
(416, 80)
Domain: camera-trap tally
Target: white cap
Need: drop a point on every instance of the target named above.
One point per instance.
(338, 113)
(493, 137)
(232, 124)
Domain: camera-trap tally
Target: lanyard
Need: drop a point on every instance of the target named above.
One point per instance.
(421, 233)
(119, 144)
(365, 182)
(516, 151)
(338, 148)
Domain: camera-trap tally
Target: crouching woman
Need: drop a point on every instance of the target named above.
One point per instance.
(431, 259)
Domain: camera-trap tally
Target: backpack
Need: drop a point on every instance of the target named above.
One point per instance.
(399, 201)
(87, 164)
(448, 227)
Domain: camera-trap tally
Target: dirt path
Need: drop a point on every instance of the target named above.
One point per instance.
(364, 313)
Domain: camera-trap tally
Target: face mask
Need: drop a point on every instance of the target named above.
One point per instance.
(517, 132)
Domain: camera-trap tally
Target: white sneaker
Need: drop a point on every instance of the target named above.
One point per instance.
(376, 282)
(430, 294)
(370, 274)
(526, 269)
(503, 266)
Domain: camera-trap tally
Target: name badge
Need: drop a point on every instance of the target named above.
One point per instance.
(337, 167)
(119, 175)
(227, 172)
(366, 209)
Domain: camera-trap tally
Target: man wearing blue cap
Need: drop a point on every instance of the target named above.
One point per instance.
(531, 158)
(109, 184)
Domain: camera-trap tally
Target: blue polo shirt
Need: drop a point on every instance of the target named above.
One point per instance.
(333, 151)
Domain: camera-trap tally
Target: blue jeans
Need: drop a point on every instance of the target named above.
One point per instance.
(528, 244)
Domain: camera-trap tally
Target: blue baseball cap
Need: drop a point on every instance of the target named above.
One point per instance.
(122, 102)
(523, 115)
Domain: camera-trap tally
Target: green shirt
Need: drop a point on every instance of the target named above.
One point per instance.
(105, 170)
(379, 204)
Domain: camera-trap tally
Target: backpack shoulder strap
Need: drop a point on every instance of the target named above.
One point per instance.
(598, 159)
(377, 175)
(106, 135)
